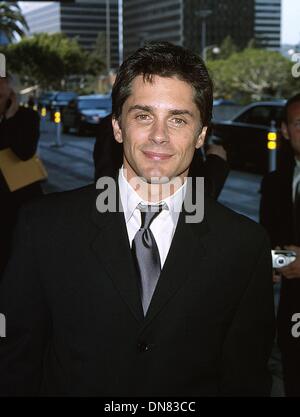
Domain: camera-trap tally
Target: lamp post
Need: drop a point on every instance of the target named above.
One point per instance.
(203, 14)
(120, 30)
(215, 50)
(108, 36)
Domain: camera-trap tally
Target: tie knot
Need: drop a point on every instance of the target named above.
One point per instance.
(149, 213)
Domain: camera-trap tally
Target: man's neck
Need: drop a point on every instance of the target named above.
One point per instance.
(154, 192)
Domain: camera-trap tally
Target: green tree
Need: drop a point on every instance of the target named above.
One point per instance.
(33, 63)
(12, 21)
(259, 73)
(100, 46)
(227, 48)
(221, 73)
(95, 63)
(49, 60)
(253, 44)
(253, 74)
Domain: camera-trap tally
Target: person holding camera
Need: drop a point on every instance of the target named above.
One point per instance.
(280, 215)
(19, 132)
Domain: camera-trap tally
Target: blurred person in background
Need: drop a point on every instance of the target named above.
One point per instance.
(31, 102)
(19, 131)
(280, 215)
(108, 157)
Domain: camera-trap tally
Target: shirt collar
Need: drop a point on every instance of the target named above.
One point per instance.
(297, 169)
(297, 163)
(130, 199)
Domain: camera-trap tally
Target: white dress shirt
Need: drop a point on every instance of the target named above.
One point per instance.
(296, 177)
(163, 226)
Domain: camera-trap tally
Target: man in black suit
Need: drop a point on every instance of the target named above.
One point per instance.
(279, 213)
(19, 131)
(148, 298)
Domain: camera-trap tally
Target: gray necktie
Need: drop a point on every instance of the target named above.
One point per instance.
(146, 255)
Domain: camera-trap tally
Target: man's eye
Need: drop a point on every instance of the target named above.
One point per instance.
(142, 117)
(178, 122)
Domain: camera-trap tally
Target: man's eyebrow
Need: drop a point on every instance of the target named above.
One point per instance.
(178, 112)
(140, 107)
(174, 112)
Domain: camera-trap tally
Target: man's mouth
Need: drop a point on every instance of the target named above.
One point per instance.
(157, 156)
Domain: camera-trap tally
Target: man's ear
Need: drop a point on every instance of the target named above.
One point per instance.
(201, 138)
(117, 130)
(285, 131)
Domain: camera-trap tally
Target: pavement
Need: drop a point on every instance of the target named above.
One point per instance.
(71, 166)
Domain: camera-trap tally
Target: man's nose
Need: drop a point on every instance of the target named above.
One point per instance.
(159, 132)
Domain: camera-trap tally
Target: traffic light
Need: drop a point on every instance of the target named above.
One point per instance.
(43, 112)
(57, 117)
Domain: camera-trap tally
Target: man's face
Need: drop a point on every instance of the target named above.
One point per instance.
(291, 130)
(5, 91)
(160, 128)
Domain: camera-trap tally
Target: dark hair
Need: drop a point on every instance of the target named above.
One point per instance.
(165, 60)
(285, 112)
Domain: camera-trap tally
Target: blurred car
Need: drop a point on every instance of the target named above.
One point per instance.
(245, 136)
(61, 100)
(45, 99)
(85, 112)
(224, 102)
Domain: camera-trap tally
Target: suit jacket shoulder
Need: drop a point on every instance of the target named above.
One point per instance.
(228, 221)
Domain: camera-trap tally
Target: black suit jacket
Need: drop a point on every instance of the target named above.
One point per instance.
(74, 317)
(20, 133)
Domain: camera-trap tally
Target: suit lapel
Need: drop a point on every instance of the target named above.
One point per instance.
(187, 245)
(111, 247)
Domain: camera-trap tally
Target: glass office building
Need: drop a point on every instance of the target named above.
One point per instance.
(180, 22)
(82, 19)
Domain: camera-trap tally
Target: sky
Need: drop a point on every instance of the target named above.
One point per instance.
(290, 19)
(290, 22)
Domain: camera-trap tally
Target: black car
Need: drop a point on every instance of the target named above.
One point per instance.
(84, 113)
(46, 98)
(61, 100)
(245, 137)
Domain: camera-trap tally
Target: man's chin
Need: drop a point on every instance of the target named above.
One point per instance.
(156, 177)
